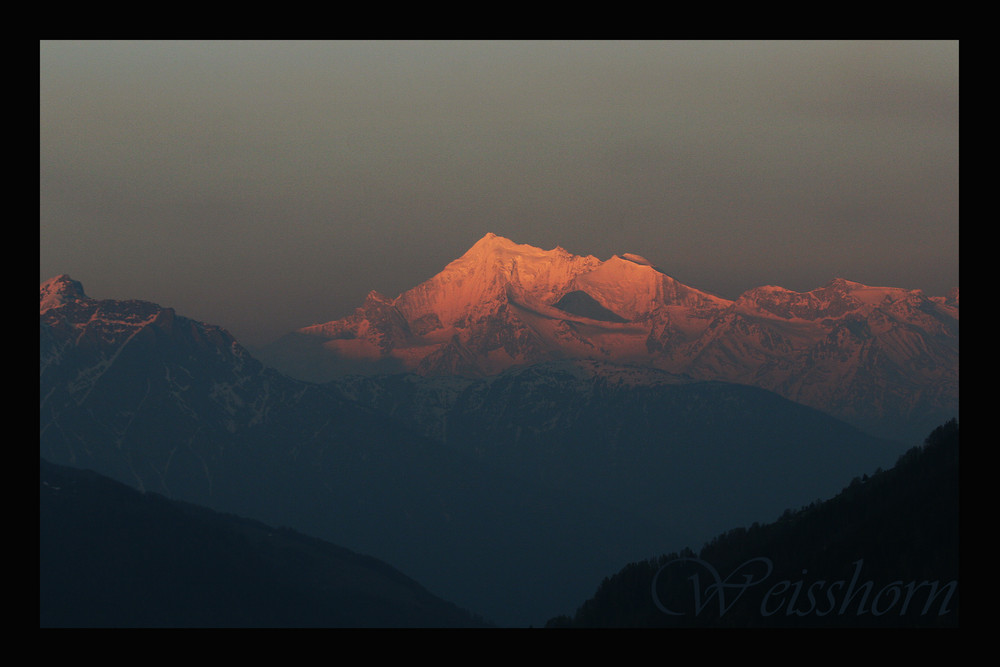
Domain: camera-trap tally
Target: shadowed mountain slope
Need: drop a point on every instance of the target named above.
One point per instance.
(111, 556)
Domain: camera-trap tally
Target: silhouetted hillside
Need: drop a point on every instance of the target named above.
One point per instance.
(111, 556)
(882, 553)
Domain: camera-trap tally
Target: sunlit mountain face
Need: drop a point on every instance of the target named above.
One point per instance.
(862, 353)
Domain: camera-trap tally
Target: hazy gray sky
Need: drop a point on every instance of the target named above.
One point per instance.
(266, 186)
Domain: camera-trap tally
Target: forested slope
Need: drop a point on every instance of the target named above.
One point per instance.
(883, 553)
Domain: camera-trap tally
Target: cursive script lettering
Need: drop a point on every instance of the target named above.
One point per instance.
(718, 587)
(796, 598)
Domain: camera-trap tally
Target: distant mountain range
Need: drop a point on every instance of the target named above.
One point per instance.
(509, 471)
(882, 358)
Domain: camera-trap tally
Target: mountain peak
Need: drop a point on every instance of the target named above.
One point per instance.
(490, 242)
(59, 290)
(492, 245)
(843, 284)
(477, 283)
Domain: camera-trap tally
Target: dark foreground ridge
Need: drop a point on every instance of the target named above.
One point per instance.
(883, 553)
(111, 556)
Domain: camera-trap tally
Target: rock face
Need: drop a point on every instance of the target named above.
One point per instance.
(876, 356)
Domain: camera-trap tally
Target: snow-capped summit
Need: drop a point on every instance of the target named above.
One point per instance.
(502, 304)
(846, 347)
(479, 282)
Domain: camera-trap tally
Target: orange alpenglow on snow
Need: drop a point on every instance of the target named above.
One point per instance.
(504, 304)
